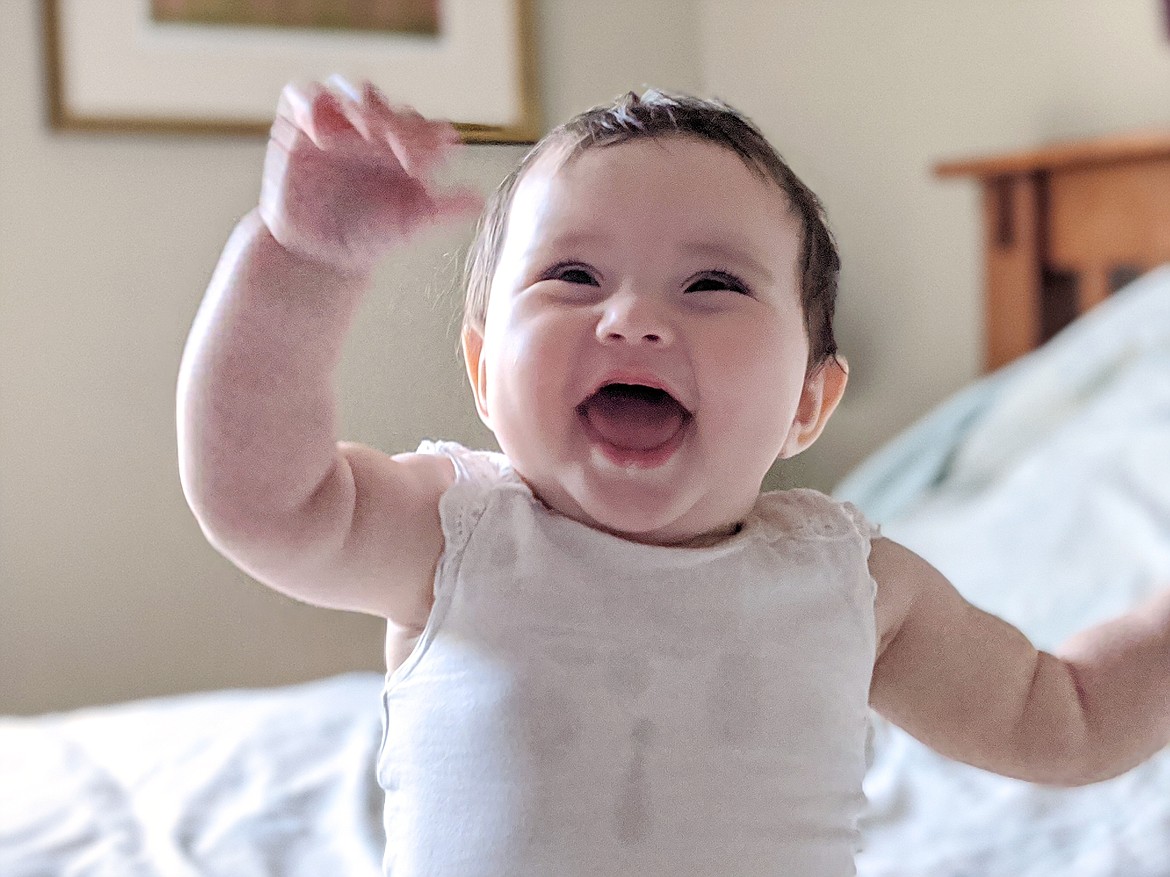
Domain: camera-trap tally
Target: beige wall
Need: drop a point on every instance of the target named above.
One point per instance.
(863, 97)
(107, 589)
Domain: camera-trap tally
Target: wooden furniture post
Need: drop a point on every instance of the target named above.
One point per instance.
(1065, 226)
(1012, 265)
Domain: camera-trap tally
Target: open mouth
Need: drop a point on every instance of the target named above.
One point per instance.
(635, 420)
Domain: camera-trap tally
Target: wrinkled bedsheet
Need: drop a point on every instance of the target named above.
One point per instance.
(252, 783)
(1043, 492)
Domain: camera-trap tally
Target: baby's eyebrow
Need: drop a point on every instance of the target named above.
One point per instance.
(567, 244)
(733, 256)
(576, 239)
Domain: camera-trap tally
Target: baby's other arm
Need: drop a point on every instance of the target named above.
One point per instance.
(333, 524)
(972, 686)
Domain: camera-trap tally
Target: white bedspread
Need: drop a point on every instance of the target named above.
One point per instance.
(268, 783)
(1044, 494)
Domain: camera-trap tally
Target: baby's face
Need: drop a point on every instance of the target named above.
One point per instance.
(643, 361)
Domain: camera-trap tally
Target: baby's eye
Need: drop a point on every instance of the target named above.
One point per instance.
(572, 274)
(716, 280)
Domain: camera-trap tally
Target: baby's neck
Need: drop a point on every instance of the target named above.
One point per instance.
(706, 540)
(700, 540)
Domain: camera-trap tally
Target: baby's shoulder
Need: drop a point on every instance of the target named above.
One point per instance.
(483, 468)
(804, 513)
(479, 476)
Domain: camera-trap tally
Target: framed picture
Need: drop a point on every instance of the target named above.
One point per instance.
(217, 66)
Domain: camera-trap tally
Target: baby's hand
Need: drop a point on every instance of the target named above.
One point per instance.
(347, 176)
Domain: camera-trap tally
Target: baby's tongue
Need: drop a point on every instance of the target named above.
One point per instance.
(636, 418)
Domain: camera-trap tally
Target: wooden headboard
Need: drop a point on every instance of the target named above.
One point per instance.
(1063, 227)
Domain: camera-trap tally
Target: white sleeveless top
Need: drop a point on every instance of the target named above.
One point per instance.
(580, 704)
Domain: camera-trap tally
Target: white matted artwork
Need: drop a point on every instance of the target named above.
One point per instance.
(115, 66)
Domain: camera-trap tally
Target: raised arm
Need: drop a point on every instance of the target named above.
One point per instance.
(973, 687)
(335, 524)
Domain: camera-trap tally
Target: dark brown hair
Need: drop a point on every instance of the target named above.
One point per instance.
(658, 115)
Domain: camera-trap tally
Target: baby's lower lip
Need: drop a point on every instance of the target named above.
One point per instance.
(636, 458)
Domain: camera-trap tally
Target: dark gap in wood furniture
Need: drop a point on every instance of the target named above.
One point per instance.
(1059, 294)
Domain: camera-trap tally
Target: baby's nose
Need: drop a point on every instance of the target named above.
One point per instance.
(634, 319)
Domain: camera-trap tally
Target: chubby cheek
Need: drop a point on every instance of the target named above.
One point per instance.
(526, 377)
(755, 384)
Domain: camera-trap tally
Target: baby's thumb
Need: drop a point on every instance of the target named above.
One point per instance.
(458, 202)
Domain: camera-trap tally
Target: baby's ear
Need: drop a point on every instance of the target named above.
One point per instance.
(476, 370)
(822, 391)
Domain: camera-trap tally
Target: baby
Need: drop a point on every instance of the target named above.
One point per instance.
(608, 652)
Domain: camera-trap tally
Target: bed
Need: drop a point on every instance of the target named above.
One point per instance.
(1042, 490)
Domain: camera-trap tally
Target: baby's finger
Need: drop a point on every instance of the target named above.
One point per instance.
(377, 110)
(295, 104)
(350, 105)
(373, 101)
(443, 131)
(313, 110)
(418, 144)
(415, 154)
(374, 97)
(343, 86)
(421, 145)
(457, 202)
(411, 126)
(330, 119)
(371, 113)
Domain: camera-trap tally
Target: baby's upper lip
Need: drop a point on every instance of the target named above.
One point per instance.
(638, 378)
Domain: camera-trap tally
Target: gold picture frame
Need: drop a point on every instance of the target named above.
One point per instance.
(110, 68)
